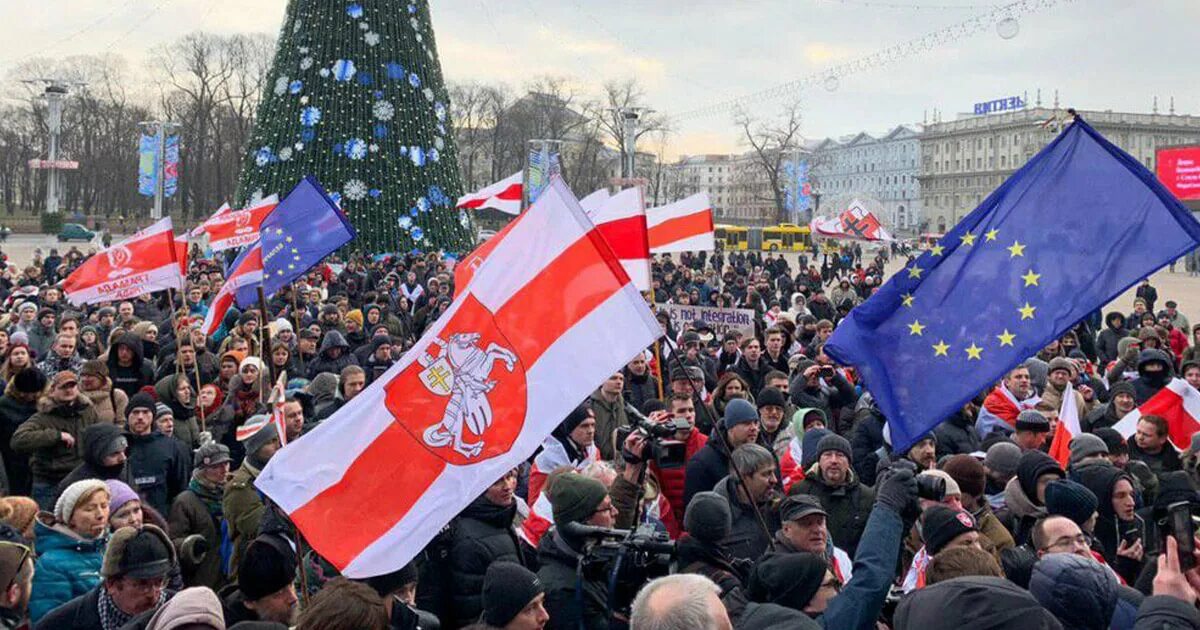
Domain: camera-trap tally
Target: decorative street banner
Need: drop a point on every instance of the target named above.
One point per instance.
(171, 166)
(543, 164)
(147, 159)
(719, 320)
(797, 191)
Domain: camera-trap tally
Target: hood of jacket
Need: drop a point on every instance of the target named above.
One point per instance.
(333, 339)
(1080, 592)
(48, 405)
(1017, 501)
(1154, 355)
(52, 535)
(95, 438)
(973, 602)
(131, 341)
(1101, 479)
(1110, 320)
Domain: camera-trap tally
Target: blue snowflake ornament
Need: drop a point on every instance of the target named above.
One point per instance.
(343, 69)
(310, 116)
(404, 222)
(418, 234)
(295, 86)
(417, 155)
(396, 72)
(355, 10)
(423, 204)
(356, 148)
(414, 80)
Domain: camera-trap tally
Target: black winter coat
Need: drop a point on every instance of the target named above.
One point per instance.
(139, 374)
(867, 440)
(747, 538)
(81, 613)
(327, 363)
(706, 468)
(956, 435)
(558, 575)
(12, 413)
(847, 508)
(159, 468)
(95, 439)
(482, 534)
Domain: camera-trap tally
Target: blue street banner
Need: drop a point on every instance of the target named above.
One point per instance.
(797, 190)
(300, 232)
(543, 164)
(171, 166)
(147, 161)
(1072, 229)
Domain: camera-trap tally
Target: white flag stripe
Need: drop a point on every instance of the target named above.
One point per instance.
(639, 273)
(593, 202)
(1068, 414)
(682, 208)
(627, 203)
(609, 336)
(1127, 426)
(703, 242)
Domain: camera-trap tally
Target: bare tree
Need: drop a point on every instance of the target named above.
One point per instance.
(619, 95)
(772, 142)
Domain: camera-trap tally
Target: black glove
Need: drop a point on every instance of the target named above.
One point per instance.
(898, 491)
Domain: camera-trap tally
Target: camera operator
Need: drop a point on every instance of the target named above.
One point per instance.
(752, 489)
(576, 499)
(671, 475)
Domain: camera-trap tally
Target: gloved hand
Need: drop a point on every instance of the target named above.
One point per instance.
(898, 491)
(205, 438)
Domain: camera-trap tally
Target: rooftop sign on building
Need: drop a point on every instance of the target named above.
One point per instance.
(999, 105)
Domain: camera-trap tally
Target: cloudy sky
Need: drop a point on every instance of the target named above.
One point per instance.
(1099, 54)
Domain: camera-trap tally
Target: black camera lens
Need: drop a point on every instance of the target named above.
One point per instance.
(931, 488)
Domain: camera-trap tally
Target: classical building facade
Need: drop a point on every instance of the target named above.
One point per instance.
(964, 160)
(882, 169)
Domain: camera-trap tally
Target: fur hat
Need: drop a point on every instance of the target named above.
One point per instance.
(968, 473)
(138, 553)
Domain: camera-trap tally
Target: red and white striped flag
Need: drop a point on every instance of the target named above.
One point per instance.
(181, 253)
(1068, 428)
(472, 399)
(505, 196)
(199, 229)
(277, 400)
(591, 203)
(246, 270)
(622, 221)
(237, 228)
(142, 263)
(1178, 403)
(683, 226)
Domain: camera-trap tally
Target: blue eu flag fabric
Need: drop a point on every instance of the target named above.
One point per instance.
(1072, 229)
(302, 230)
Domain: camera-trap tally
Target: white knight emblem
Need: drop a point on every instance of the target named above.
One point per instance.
(461, 372)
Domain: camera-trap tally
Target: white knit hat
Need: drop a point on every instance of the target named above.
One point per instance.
(65, 506)
(252, 360)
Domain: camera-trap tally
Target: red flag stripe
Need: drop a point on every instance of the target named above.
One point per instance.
(679, 228)
(581, 276)
(627, 237)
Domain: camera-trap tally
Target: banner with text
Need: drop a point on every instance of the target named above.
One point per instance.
(719, 320)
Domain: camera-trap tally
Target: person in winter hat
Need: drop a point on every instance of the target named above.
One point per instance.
(70, 545)
(265, 590)
(1073, 500)
(973, 602)
(1087, 448)
(104, 456)
(1024, 495)
(833, 481)
(243, 505)
(513, 595)
(157, 462)
(195, 608)
(1032, 430)
(1081, 593)
(971, 478)
(16, 406)
(52, 436)
(197, 524)
(739, 425)
(582, 500)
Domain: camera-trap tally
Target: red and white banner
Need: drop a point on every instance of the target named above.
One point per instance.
(237, 228)
(472, 399)
(1068, 428)
(683, 226)
(249, 271)
(1178, 403)
(505, 196)
(622, 221)
(181, 253)
(199, 229)
(856, 223)
(142, 263)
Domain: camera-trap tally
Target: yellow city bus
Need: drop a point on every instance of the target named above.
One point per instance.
(787, 237)
(732, 237)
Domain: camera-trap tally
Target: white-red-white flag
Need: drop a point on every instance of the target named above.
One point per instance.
(855, 223)
(621, 219)
(1068, 428)
(246, 270)
(1178, 403)
(142, 263)
(199, 229)
(505, 195)
(181, 253)
(473, 398)
(683, 226)
(277, 400)
(237, 228)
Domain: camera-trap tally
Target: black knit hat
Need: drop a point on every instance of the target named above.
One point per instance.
(1070, 499)
(1113, 439)
(943, 524)
(1030, 420)
(835, 442)
(787, 579)
(140, 400)
(29, 381)
(267, 567)
(507, 589)
(574, 498)
(575, 418)
(770, 397)
(1034, 464)
(708, 517)
(1121, 387)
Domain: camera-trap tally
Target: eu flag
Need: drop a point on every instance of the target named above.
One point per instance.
(303, 229)
(1072, 229)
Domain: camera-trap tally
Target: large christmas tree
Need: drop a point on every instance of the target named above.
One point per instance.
(355, 97)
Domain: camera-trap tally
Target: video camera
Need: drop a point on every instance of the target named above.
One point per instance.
(661, 445)
(623, 560)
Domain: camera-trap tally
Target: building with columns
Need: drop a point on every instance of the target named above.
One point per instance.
(880, 170)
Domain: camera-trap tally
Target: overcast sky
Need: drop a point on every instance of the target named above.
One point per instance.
(1099, 54)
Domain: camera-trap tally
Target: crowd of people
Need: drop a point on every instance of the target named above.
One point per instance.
(131, 441)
